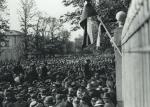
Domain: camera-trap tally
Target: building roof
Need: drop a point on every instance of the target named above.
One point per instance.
(13, 33)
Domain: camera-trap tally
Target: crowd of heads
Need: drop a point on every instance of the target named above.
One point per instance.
(58, 82)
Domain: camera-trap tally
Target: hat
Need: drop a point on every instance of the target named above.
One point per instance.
(30, 89)
(48, 100)
(89, 86)
(20, 96)
(99, 90)
(17, 79)
(98, 103)
(19, 87)
(76, 100)
(59, 96)
(33, 103)
(33, 95)
(85, 98)
(73, 84)
(106, 96)
(69, 95)
(8, 93)
(43, 91)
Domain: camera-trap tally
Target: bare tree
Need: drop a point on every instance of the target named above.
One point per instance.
(50, 27)
(4, 25)
(47, 26)
(27, 13)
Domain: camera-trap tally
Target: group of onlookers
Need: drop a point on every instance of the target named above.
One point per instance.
(70, 81)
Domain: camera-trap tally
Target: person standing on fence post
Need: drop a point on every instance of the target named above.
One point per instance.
(120, 16)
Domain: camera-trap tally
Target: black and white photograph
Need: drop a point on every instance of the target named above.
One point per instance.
(74, 53)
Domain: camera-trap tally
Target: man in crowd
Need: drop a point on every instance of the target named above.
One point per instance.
(87, 71)
(18, 69)
(44, 71)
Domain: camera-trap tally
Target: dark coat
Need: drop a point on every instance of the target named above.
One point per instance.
(8, 104)
(21, 104)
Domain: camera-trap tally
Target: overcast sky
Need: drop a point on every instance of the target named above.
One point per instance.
(53, 8)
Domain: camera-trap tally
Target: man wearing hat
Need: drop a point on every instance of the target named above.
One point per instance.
(87, 71)
(76, 102)
(20, 101)
(69, 100)
(60, 101)
(99, 103)
(49, 101)
(9, 98)
(85, 101)
(18, 69)
(44, 71)
(107, 100)
(35, 102)
(43, 94)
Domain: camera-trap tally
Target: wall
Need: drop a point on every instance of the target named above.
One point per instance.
(14, 49)
(136, 55)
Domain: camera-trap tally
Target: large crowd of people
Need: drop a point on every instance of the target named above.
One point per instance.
(68, 81)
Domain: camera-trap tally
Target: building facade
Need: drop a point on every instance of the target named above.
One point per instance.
(12, 48)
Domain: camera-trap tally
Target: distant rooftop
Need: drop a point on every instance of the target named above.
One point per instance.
(13, 33)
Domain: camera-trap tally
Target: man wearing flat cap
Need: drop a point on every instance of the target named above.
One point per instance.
(87, 71)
